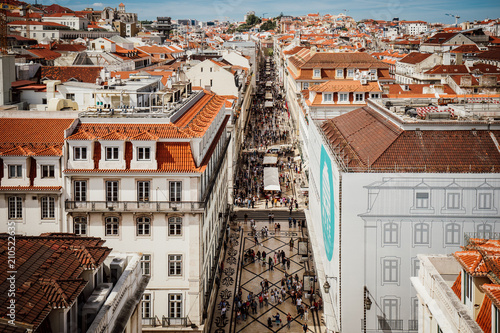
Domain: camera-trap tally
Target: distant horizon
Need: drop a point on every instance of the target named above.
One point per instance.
(234, 10)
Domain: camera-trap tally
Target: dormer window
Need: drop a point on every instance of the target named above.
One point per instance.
(111, 153)
(143, 154)
(484, 201)
(350, 72)
(80, 153)
(317, 73)
(327, 97)
(15, 171)
(340, 73)
(422, 200)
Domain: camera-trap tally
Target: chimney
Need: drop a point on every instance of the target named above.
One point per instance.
(459, 59)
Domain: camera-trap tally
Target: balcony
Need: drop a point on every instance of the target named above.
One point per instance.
(176, 321)
(134, 206)
(412, 325)
(390, 324)
(151, 321)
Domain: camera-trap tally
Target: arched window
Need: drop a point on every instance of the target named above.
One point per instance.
(112, 226)
(421, 233)
(452, 233)
(484, 231)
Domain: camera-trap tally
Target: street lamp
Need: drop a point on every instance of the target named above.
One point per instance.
(326, 285)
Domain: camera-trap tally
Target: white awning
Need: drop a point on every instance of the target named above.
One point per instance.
(270, 159)
(269, 95)
(271, 179)
(268, 104)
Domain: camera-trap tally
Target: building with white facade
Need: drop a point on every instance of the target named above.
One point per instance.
(460, 292)
(385, 187)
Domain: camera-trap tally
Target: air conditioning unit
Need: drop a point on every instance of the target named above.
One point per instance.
(94, 304)
(117, 267)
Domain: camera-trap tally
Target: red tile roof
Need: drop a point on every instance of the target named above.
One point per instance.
(48, 274)
(415, 58)
(483, 318)
(307, 59)
(457, 286)
(370, 141)
(441, 38)
(493, 293)
(91, 131)
(87, 74)
(44, 53)
(448, 70)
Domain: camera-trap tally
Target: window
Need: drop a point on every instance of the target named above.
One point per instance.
(415, 266)
(468, 285)
(327, 97)
(174, 264)
(80, 190)
(343, 97)
(143, 191)
(15, 208)
(390, 233)
(452, 231)
(175, 226)
(48, 171)
(112, 190)
(201, 69)
(48, 208)
(305, 85)
(80, 153)
(146, 264)
(175, 305)
(143, 226)
(390, 270)
(340, 73)
(359, 97)
(453, 201)
(421, 235)
(317, 73)
(111, 225)
(211, 69)
(390, 306)
(15, 171)
(211, 83)
(422, 200)
(143, 154)
(377, 95)
(484, 231)
(80, 225)
(111, 153)
(175, 191)
(350, 72)
(70, 96)
(146, 306)
(484, 201)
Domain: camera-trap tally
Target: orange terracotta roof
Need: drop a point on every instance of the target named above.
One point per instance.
(483, 318)
(175, 157)
(50, 268)
(91, 131)
(457, 286)
(346, 86)
(493, 293)
(415, 58)
(30, 188)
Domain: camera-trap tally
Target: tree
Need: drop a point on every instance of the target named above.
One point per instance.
(268, 25)
(253, 20)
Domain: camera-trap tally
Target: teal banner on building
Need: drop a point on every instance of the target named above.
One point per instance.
(327, 202)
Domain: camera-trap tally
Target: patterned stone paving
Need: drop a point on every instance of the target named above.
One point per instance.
(249, 275)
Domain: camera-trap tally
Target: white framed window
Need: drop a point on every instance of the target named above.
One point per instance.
(80, 225)
(143, 226)
(146, 264)
(143, 153)
(175, 191)
(468, 286)
(143, 190)
(146, 306)
(484, 201)
(80, 153)
(15, 171)
(111, 153)
(48, 206)
(175, 305)
(359, 97)
(452, 234)
(175, 226)
(453, 200)
(175, 264)
(317, 73)
(80, 187)
(327, 97)
(339, 73)
(343, 97)
(390, 270)
(15, 208)
(391, 233)
(48, 171)
(305, 85)
(421, 234)
(422, 200)
(112, 226)
(350, 72)
(415, 266)
(111, 190)
(390, 307)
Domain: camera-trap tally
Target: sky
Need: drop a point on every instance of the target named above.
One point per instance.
(234, 10)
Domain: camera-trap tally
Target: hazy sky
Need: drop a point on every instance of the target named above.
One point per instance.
(205, 10)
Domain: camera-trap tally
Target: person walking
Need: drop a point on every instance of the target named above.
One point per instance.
(304, 327)
(288, 320)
